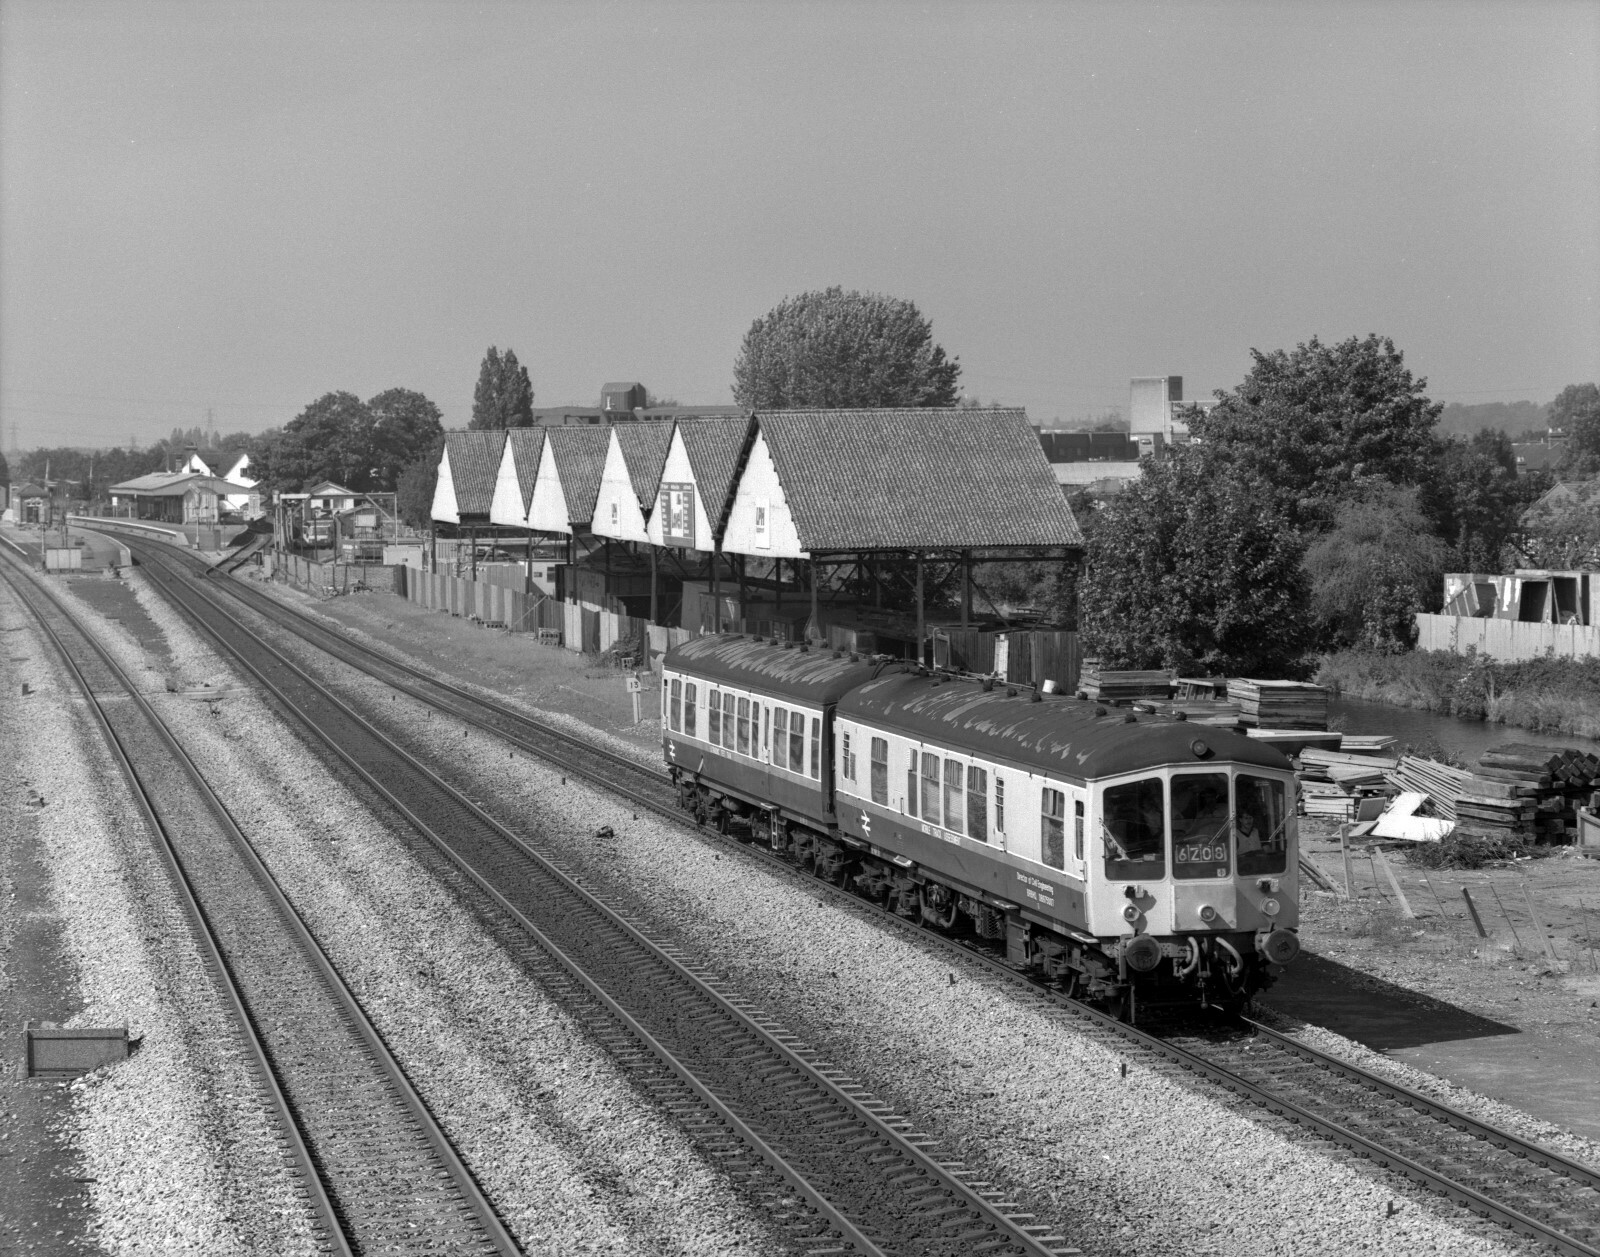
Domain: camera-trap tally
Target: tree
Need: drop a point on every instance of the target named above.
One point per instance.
(843, 350)
(1196, 568)
(405, 425)
(331, 439)
(504, 396)
(1375, 569)
(1472, 497)
(1576, 411)
(1314, 421)
(415, 486)
(1564, 533)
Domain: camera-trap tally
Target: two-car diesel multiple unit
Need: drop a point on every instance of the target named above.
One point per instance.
(1135, 859)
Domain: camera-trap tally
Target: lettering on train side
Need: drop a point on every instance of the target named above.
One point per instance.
(1041, 892)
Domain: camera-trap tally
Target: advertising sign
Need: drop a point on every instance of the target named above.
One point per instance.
(677, 514)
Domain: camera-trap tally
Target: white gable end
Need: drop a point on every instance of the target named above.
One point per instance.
(506, 505)
(677, 471)
(616, 509)
(548, 510)
(444, 494)
(760, 522)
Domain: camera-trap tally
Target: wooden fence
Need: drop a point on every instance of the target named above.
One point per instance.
(1025, 657)
(326, 579)
(1506, 639)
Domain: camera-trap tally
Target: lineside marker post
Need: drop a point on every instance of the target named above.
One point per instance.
(1544, 935)
(1382, 862)
(1472, 908)
(1344, 852)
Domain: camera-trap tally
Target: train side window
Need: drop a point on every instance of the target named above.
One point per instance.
(1077, 830)
(765, 728)
(780, 734)
(846, 757)
(911, 783)
(744, 726)
(1133, 825)
(999, 804)
(689, 708)
(954, 804)
(727, 720)
(816, 750)
(1052, 828)
(880, 770)
(930, 788)
(714, 717)
(797, 743)
(1261, 825)
(677, 703)
(977, 803)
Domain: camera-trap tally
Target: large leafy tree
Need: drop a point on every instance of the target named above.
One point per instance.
(1576, 410)
(405, 425)
(414, 489)
(504, 396)
(1375, 569)
(1472, 497)
(331, 439)
(1195, 567)
(835, 349)
(1563, 533)
(1317, 419)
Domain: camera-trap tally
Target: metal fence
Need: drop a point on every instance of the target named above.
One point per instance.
(1506, 639)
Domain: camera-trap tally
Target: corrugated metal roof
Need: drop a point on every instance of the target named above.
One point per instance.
(173, 484)
(526, 444)
(1060, 736)
(916, 479)
(580, 455)
(644, 452)
(474, 463)
(808, 676)
(714, 447)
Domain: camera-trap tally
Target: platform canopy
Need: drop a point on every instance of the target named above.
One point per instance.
(467, 470)
(568, 480)
(895, 481)
(513, 483)
(629, 483)
(696, 481)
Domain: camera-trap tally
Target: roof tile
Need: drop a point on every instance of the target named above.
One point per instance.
(526, 446)
(644, 453)
(474, 463)
(714, 447)
(580, 455)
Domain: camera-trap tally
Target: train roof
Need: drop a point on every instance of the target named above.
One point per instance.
(1061, 736)
(804, 674)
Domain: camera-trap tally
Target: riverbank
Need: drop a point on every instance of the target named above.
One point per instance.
(1556, 696)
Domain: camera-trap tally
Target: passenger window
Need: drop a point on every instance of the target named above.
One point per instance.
(1052, 828)
(677, 703)
(780, 730)
(816, 751)
(1077, 830)
(977, 803)
(1133, 828)
(999, 805)
(911, 783)
(847, 770)
(880, 770)
(727, 721)
(764, 725)
(689, 710)
(930, 788)
(744, 726)
(1200, 825)
(797, 743)
(1261, 825)
(714, 717)
(954, 807)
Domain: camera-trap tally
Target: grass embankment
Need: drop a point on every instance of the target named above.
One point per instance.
(1548, 695)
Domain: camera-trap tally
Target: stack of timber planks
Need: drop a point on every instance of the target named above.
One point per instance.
(1280, 704)
(1554, 782)
(1334, 783)
(1489, 802)
(1123, 687)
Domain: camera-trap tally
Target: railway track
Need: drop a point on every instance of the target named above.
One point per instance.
(375, 1169)
(1489, 1171)
(836, 1168)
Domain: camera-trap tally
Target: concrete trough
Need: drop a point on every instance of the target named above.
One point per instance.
(54, 1052)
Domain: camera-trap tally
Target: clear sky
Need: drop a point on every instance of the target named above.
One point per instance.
(242, 206)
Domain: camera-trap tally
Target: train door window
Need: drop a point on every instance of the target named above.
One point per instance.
(880, 770)
(797, 743)
(999, 804)
(714, 717)
(689, 707)
(930, 788)
(1052, 828)
(1077, 830)
(744, 726)
(955, 776)
(677, 703)
(1133, 825)
(977, 803)
(765, 723)
(816, 750)
(780, 734)
(911, 783)
(727, 720)
(847, 758)
(1261, 825)
(1200, 824)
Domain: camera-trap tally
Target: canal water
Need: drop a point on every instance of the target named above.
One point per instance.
(1423, 729)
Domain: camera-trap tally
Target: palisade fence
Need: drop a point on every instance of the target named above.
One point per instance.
(324, 578)
(1506, 639)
